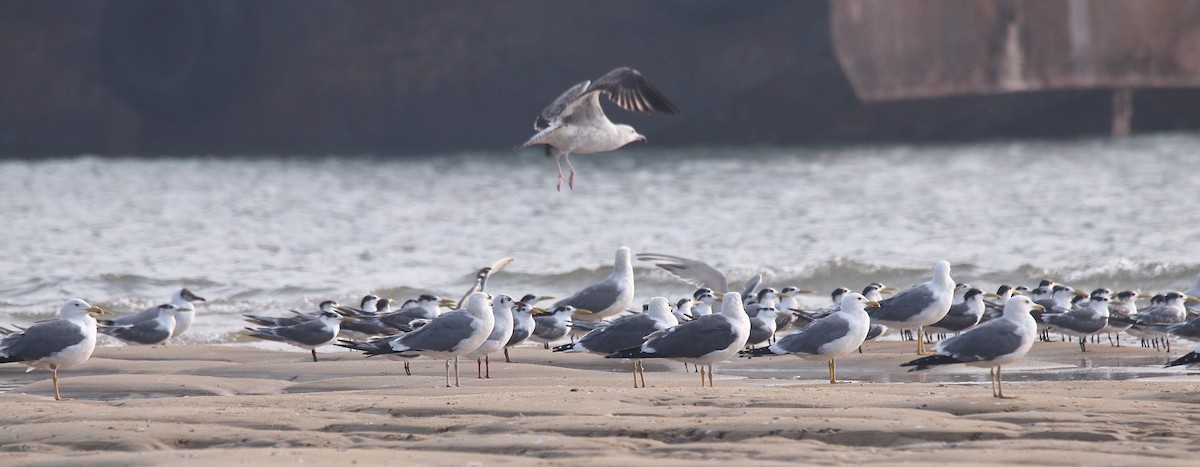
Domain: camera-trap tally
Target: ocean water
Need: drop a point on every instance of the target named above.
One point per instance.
(266, 234)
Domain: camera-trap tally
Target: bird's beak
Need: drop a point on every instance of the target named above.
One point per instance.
(539, 311)
(1016, 292)
(888, 289)
(1192, 299)
(641, 138)
(873, 304)
(1038, 307)
(99, 311)
(583, 312)
(447, 303)
(543, 298)
(805, 292)
(1144, 296)
(1118, 303)
(1080, 293)
(990, 295)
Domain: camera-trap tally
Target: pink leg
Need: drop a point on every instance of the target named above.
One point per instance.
(571, 178)
(558, 163)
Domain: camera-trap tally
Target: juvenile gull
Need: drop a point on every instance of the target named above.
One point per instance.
(607, 297)
(183, 299)
(828, 338)
(447, 337)
(65, 342)
(918, 306)
(703, 341)
(306, 335)
(146, 332)
(575, 123)
(992, 344)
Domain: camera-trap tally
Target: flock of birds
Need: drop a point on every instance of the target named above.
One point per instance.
(711, 326)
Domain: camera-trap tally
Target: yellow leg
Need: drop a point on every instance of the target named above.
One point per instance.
(1000, 386)
(832, 372)
(992, 377)
(701, 375)
(710, 374)
(635, 374)
(921, 341)
(642, 371)
(54, 381)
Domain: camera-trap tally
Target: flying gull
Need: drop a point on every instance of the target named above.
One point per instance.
(607, 297)
(703, 341)
(626, 333)
(306, 335)
(918, 306)
(828, 338)
(146, 332)
(183, 299)
(65, 342)
(502, 329)
(992, 344)
(699, 273)
(575, 123)
(447, 337)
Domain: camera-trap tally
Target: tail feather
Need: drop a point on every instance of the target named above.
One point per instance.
(924, 363)
(759, 352)
(633, 352)
(564, 347)
(1188, 359)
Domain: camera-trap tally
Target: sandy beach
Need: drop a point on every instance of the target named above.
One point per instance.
(204, 405)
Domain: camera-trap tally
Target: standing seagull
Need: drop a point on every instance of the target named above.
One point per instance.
(607, 297)
(502, 330)
(575, 122)
(992, 344)
(306, 335)
(918, 306)
(828, 338)
(65, 342)
(703, 341)
(147, 332)
(449, 336)
(183, 299)
(627, 333)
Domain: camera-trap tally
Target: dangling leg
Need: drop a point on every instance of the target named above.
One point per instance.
(558, 163)
(314, 352)
(570, 178)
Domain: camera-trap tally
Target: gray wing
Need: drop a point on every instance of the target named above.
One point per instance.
(693, 339)
(986, 342)
(904, 305)
(144, 332)
(307, 333)
(518, 336)
(547, 328)
(630, 91)
(39, 341)
(623, 334)
(442, 334)
(144, 315)
(956, 319)
(695, 272)
(595, 297)
(1077, 322)
(810, 339)
(555, 109)
(752, 285)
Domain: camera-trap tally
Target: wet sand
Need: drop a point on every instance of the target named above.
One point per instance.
(204, 405)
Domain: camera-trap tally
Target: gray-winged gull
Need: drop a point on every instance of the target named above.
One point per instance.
(306, 335)
(1081, 322)
(502, 329)
(918, 306)
(575, 122)
(54, 344)
(552, 325)
(523, 323)
(183, 299)
(607, 297)
(626, 333)
(991, 345)
(146, 332)
(447, 337)
(297, 317)
(703, 341)
(962, 316)
(828, 338)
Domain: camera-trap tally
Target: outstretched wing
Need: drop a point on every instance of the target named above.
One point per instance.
(551, 112)
(630, 91)
(695, 272)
